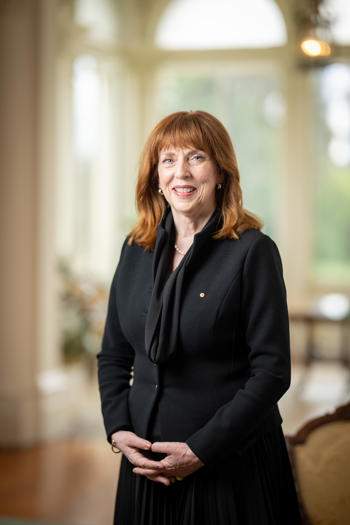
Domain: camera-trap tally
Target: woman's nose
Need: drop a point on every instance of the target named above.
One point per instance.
(182, 168)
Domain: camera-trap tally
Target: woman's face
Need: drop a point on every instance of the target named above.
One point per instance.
(188, 177)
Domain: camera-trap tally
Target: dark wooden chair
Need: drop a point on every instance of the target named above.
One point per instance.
(320, 458)
(330, 310)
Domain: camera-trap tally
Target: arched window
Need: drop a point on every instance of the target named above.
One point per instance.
(204, 24)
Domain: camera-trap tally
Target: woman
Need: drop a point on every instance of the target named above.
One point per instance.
(197, 312)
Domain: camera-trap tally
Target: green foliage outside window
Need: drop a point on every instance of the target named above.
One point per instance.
(332, 177)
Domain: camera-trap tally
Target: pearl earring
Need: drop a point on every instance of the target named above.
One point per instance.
(160, 191)
(219, 186)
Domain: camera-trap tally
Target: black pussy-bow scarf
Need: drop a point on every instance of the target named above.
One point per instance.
(162, 320)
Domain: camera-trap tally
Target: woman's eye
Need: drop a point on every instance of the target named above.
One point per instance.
(194, 158)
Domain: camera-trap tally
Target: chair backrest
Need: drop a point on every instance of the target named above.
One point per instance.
(320, 457)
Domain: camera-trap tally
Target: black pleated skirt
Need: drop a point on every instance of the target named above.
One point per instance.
(256, 488)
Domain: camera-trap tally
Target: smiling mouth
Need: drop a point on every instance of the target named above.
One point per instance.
(184, 190)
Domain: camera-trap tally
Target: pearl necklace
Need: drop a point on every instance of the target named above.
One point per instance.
(178, 250)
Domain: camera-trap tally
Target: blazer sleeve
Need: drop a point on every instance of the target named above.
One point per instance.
(265, 336)
(115, 362)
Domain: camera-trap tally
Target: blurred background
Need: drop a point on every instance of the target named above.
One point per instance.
(82, 84)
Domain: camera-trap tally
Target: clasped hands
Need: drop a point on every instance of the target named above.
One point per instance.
(179, 461)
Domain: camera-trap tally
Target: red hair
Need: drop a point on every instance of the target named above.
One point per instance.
(200, 130)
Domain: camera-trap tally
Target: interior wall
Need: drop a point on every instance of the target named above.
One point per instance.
(19, 71)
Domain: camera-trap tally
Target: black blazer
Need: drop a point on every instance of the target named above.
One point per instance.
(219, 390)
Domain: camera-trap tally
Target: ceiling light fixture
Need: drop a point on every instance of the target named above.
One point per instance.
(313, 23)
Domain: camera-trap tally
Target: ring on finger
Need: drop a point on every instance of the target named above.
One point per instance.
(115, 449)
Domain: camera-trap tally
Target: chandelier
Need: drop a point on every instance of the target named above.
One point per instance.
(313, 22)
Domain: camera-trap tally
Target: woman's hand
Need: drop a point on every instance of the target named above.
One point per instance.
(134, 448)
(179, 461)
